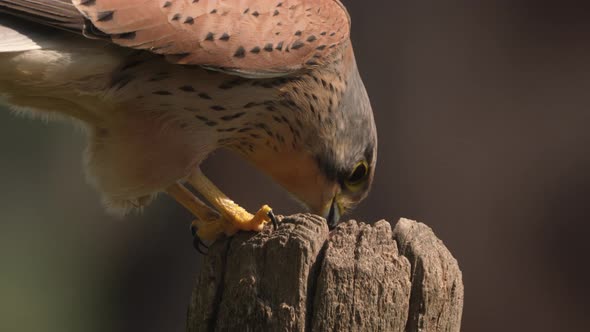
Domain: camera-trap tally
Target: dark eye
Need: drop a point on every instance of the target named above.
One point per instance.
(358, 175)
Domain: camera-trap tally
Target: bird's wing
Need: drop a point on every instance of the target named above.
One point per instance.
(252, 37)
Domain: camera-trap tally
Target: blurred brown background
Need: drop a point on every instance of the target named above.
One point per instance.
(483, 114)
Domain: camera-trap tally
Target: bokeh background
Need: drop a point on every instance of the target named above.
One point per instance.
(483, 111)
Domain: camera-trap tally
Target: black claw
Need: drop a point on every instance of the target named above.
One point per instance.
(273, 218)
(197, 242)
(199, 245)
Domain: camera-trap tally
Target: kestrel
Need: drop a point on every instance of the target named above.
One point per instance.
(159, 85)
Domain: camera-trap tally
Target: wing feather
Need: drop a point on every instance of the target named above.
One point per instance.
(251, 37)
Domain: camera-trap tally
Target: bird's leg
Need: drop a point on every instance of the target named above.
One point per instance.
(235, 217)
(208, 223)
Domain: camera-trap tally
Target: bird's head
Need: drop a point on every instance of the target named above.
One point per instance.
(334, 169)
(346, 154)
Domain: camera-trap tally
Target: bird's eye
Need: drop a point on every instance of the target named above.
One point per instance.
(358, 176)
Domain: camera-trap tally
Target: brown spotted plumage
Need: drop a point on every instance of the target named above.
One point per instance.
(161, 27)
(159, 85)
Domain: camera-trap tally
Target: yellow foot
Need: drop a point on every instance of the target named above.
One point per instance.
(240, 219)
(230, 217)
(235, 217)
(231, 223)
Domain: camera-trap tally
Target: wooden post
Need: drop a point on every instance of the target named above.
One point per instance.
(302, 277)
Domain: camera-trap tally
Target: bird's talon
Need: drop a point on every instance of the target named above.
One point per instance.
(273, 219)
(202, 244)
(199, 245)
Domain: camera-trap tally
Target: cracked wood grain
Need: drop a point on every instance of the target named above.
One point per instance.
(302, 277)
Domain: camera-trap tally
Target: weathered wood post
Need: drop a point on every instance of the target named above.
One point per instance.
(301, 277)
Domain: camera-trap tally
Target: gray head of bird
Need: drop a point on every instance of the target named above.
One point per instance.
(334, 170)
(347, 156)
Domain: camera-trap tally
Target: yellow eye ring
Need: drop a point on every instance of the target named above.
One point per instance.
(358, 176)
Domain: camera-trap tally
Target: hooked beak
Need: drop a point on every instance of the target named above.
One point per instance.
(333, 216)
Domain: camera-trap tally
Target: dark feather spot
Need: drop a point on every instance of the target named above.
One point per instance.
(298, 33)
(255, 50)
(268, 47)
(187, 88)
(178, 56)
(256, 14)
(218, 108)
(279, 46)
(189, 20)
(224, 37)
(105, 16)
(176, 17)
(240, 52)
(209, 36)
(205, 96)
(88, 3)
(214, 11)
(276, 12)
(311, 38)
(227, 129)
(232, 117)
(126, 35)
(297, 45)
(167, 4)
(162, 93)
